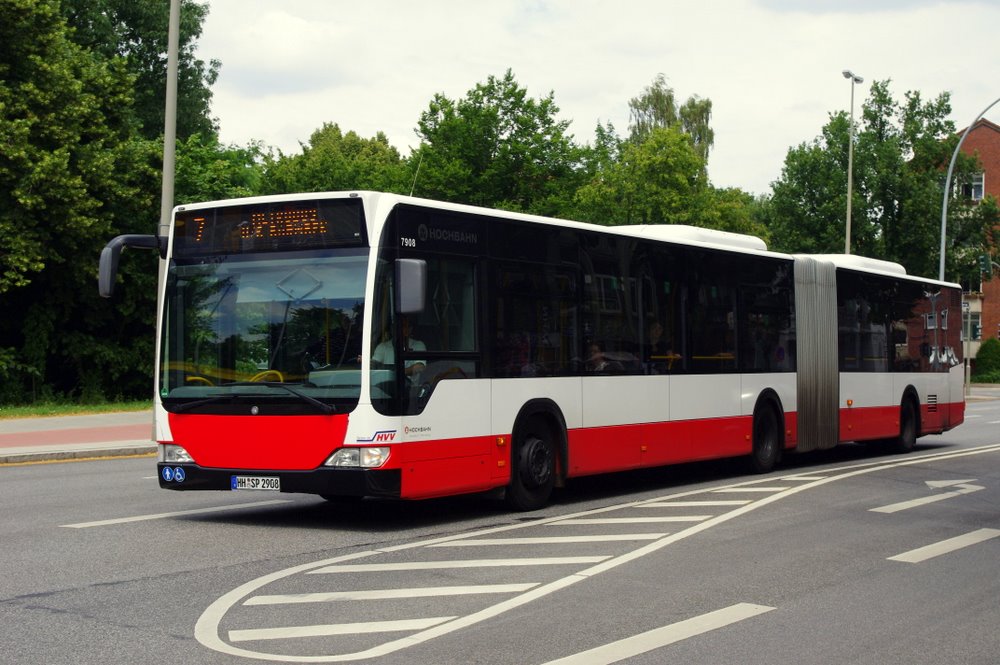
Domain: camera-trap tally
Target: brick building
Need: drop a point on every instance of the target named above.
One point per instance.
(984, 141)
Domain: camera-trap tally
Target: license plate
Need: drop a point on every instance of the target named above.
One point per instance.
(270, 483)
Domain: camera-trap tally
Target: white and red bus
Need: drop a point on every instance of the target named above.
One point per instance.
(367, 344)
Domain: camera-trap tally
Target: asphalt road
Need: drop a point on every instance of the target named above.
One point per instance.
(851, 556)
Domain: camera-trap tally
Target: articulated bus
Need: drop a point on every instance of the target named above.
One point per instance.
(362, 344)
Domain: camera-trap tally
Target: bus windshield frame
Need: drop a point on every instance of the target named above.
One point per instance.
(263, 309)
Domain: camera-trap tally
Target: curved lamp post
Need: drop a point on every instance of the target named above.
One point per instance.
(947, 185)
(848, 74)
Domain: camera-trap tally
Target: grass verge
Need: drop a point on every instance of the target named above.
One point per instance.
(69, 409)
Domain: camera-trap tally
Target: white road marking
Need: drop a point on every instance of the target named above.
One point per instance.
(696, 504)
(749, 488)
(466, 563)
(938, 484)
(550, 540)
(631, 520)
(384, 594)
(803, 477)
(663, 636)
(946, 546)
(178, 513)
(209, 632)
(335, 629)
(964, 488)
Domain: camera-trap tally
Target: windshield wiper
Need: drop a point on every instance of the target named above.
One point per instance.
(187, 406)
(327, 409)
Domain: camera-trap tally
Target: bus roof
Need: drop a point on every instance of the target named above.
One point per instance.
(678, 233)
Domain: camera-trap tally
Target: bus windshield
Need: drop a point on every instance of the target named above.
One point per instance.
(282, 328)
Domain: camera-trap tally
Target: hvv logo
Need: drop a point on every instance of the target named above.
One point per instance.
(382, 436)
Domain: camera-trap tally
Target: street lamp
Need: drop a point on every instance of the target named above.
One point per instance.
(848, 74)
(947, 186)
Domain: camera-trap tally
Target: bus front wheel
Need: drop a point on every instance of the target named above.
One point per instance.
(533, 472)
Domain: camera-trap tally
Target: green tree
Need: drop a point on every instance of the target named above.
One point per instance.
(660, 180)
(657, 107)
(901, 150)
(334, 161)
(208, 171)
(732, 209)
(497, 147)
(135, 31)
(807, 204)
(71, 176)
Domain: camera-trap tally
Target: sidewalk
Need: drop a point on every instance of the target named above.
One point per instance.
(76, 437)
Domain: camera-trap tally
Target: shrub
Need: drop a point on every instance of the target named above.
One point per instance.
(988, 359)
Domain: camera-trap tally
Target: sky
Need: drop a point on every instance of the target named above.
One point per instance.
(772, 68)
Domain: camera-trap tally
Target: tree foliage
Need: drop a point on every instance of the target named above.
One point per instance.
(901, 151)
(496, 147)
(135, 32)
(660, 180)
(656, 108)
(70, 176)
(334, 161)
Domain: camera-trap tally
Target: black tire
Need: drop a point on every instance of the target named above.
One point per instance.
(533, 467)
(908, 425)
(767, 440)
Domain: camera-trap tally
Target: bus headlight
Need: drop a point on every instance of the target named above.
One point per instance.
(174, 454)
(367, 458)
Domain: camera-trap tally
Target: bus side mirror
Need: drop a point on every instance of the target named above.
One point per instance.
(411, 285)
(112, 252)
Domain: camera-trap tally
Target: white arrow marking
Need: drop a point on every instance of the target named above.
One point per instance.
(961, 487)
(938, 484)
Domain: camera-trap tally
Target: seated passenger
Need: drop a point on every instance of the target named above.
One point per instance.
(385, 355)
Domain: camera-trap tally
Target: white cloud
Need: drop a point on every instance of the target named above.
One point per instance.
(771, 68)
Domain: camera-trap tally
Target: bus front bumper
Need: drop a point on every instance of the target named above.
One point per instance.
(323, 481)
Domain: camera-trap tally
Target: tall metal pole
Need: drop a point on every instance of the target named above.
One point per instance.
(947, 187)
(850, 162)
(170, 119)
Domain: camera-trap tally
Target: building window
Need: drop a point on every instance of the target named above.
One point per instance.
(972, 325)
(974, 189)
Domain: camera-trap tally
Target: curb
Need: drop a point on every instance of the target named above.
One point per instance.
(78, 454)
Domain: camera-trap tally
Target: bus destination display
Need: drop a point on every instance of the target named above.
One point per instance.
(270, 227)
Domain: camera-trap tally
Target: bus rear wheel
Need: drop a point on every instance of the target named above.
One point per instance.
(907, 438)
(533, 472)
(767, 440)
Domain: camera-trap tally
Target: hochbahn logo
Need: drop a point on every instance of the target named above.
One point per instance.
(426, 233)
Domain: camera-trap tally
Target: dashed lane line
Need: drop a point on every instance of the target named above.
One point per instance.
(946, 546)
(176, 513)
(663, 636)
(551, 540)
